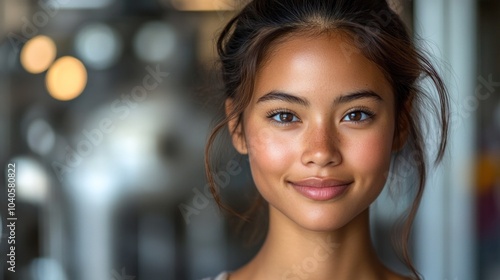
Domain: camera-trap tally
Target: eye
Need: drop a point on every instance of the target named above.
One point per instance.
(283, 117)
(357, 116)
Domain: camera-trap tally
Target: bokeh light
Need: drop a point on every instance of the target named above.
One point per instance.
(46, 268)
(98, 45)
(155, 42)
(38, 54)
(32, 180)
(81, 4)
(203, 5)
(40, 137)
(66, 78)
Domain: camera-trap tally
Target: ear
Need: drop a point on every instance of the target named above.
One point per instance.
(236, 129)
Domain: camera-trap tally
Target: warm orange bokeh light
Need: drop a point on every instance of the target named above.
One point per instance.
(203, 5)
(66, 78)
(37, 54)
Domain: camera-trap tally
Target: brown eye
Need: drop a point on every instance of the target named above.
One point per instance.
(286, 117)
(357, 116)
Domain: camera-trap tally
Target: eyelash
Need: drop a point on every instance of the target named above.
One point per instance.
(271, 114)
(370, 114)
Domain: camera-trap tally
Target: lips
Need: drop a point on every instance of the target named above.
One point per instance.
(320, 189)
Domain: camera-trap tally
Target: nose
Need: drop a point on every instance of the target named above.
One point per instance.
(321, 146)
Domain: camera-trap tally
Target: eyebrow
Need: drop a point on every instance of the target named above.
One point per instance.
(278, 95)
(357, 95)
(346, 98)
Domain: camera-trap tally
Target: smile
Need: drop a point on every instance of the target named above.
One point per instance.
(320, 189)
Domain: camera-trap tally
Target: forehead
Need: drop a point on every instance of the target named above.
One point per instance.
(327, 62)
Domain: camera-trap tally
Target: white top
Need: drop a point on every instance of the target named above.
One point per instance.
(222, 276)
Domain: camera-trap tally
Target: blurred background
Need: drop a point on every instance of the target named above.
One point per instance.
(105, 106)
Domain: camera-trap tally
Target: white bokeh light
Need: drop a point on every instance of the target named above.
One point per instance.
(155, 42)
(98, 45)
(80, 4)
(32, 180)
(46, 268)
(40, 137)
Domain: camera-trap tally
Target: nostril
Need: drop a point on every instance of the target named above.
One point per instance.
(322, 159)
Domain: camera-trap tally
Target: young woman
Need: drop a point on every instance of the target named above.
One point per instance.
(322, 96)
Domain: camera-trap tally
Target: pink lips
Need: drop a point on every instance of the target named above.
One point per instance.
(320, 189)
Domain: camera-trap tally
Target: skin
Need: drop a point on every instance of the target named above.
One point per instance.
(325, 135)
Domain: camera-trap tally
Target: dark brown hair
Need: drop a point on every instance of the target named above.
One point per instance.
(375, 31)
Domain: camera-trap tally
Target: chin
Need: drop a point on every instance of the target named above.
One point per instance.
(324, 221)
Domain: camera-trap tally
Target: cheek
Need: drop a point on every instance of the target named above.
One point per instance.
(268, 150)
(370, 155)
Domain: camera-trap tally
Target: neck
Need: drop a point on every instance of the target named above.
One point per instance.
(291, 252)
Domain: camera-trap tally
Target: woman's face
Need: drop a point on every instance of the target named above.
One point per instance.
(318, 131)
